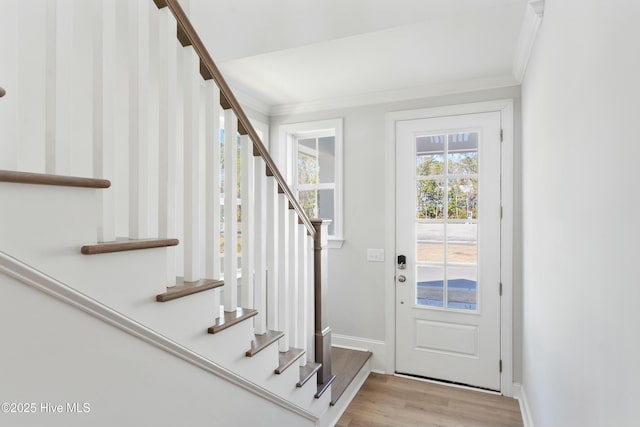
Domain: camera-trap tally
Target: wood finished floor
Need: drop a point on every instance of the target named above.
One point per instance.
(388, 401)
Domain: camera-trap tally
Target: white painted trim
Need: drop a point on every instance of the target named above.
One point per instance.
(528, 31)
(525, 411)
(61, 292)
(404, 94)
(505, 107)
(378, 348)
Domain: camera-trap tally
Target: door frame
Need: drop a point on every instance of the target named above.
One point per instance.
(505, 107)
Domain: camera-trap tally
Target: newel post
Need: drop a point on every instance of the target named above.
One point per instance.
(321, 283)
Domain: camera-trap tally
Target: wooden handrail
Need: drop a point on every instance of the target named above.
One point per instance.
(188, 31)
(47, 179)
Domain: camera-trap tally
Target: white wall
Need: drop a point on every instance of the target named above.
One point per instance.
(581, 127)
(54, 353)
(357, 287)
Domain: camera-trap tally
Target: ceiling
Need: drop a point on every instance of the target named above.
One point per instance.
(292, 52)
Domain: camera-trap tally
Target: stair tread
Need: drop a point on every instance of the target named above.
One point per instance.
(307, 371)
(182, 289)
(48, 179)
(287, 358)
(125, 244)
(230, 318)
(346, 364)
(323, 387)
(260, 342)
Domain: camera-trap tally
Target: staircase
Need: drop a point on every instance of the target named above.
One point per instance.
(133, 180)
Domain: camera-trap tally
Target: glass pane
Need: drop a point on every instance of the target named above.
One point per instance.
(430, 155)
(430, 242)
(327, 148)
(326, 210)
(429, 144)
(430, 199)
(462, 287)
(307, 162)
(309, 202)
(430, 164)
(429, 286)
(463, 199)
(462, 243)
(308, 145)
(463, 153)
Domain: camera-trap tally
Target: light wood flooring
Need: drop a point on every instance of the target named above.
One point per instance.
(388, 401)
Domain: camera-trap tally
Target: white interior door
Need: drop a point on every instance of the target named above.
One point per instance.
(448, 230)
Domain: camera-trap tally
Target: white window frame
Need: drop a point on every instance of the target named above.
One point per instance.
(290, 133)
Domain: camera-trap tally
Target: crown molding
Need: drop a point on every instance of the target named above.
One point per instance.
(405, 94)
(528, 32)
(246, 99)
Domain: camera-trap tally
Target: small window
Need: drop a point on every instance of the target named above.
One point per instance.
(315, 171)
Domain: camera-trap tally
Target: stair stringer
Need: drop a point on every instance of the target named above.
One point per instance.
(73, 350)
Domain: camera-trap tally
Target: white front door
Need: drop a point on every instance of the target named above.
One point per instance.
(448, 231)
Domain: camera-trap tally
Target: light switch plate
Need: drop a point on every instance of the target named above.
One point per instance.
(375, 255)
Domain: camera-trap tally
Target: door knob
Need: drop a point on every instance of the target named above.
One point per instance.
(402, 278)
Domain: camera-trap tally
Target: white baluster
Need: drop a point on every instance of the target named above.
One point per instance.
(292, 331)
(104, 66)
(12, 55)
(212, 186)
(167, 100)
(247, 193)
(283, 271)
(139, 120)
(24, 111)
(260, 246)
(191, 189)
(59, 87)
(81, 95)
(273, 253)
(153, 117)
(230, 211)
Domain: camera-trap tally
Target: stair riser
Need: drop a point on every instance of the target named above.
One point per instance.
(45, 226)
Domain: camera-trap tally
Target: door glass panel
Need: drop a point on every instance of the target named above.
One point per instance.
(430, 284)
(462, 195)
(430, 199)
(462, 153)
(462, 243)
(430, 155)
(446, 220)
(430, 242)
(462, 287)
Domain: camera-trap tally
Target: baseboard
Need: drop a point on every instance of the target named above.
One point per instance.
(378, 348)
(519, 393)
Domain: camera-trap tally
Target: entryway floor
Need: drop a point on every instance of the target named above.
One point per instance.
(389, 401)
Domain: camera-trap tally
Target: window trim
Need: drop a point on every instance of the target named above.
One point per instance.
(289, 133)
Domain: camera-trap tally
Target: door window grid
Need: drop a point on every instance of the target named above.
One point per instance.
(447, 198)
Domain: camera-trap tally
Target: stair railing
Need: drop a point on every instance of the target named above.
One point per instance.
(317, 229)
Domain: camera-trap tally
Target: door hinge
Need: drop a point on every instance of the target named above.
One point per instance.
(500, 212)
(500, 365)
(501, 135)
(500, 288)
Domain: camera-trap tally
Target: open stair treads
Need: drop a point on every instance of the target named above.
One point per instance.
(182, 289)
